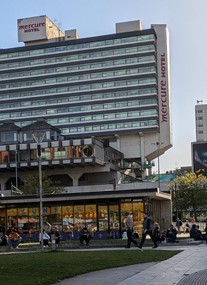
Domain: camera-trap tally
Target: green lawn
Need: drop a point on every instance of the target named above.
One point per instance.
(46, 268)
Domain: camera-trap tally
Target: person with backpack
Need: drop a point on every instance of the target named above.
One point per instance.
(147, 230)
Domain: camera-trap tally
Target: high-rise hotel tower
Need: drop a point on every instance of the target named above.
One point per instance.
(113, 87)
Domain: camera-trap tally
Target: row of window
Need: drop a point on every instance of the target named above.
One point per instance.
(64, 100)
(78, 46)
(70, 59)
(72, 68)
(90, 86)
(97, 128)
(72, 98)
(108, 127)
(46, 153)
(75, 109)
(14, 136)
(73, 79)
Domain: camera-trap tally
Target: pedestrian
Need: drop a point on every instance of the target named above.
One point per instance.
(147, 230)
(14, 239)
(171, 234)
(178, 225)
(156, 233)
(85, 236)
(55, 236)
(129, 229)
(45, 238)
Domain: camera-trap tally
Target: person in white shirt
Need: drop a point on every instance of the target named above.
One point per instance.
(129, 229)
(46, 238)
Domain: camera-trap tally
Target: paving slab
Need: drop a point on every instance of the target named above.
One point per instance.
(187, 266)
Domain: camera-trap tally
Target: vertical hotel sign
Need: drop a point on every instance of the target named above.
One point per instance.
(163, 83)
(32, 29)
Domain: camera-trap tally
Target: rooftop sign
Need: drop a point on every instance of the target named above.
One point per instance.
(32, 29)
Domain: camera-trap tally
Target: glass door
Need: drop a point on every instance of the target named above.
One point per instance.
(114, 221)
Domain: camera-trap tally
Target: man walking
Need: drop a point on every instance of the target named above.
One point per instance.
(147, 230)
(129, 229)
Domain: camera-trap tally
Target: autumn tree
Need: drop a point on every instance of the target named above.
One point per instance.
(189, 194)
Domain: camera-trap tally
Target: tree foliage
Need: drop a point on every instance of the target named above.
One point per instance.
(189, 193)
(30, 184)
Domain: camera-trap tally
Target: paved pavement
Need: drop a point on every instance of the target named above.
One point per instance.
(187, 267)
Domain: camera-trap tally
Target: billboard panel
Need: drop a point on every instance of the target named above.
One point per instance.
(31, 29)
(199, 151)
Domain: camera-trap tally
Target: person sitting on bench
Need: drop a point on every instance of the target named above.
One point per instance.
(85, 236)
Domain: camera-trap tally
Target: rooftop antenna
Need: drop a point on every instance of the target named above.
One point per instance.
(58, 24)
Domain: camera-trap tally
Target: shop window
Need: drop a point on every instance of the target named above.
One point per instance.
(68, 223)
(114, 221)
(33, 220)
(90, 218)
(23, 221)
(79, 217)
(12, 217)
(138, 216)
(102, 218)
(56, 217)
(125, 207)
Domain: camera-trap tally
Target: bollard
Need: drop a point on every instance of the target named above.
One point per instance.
(53, 244)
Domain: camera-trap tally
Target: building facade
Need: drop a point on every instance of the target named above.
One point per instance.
(201, 122)
(110, 98)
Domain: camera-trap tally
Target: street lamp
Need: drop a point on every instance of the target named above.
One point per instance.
(16, 168)
(176, 199)
(158, 143)
(38, 137)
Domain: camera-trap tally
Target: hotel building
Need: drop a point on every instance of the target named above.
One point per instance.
(103, 103)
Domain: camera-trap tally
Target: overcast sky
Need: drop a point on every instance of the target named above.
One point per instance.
(187, 24)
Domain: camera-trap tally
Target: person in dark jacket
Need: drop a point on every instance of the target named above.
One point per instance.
(171, 234)
(156, 233)
(195, 233)
(85, 236)
(147, 230)
(55, 236)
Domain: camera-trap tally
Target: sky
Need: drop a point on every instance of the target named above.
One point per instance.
(187, 24)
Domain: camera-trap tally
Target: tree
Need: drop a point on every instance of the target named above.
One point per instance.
(30, 184)
(189, 194)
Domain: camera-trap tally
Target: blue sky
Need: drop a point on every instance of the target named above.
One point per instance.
(187, 24)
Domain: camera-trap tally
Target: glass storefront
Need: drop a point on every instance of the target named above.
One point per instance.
(105, 220)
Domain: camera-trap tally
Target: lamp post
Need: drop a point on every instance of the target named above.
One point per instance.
(158, 143)
(16, 168)
(176, 200)
(38, 137)
(158, 165)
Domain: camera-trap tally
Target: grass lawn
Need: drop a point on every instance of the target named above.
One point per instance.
(46, 268)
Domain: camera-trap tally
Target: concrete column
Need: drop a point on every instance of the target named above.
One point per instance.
(75, 177)
(142, 152)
